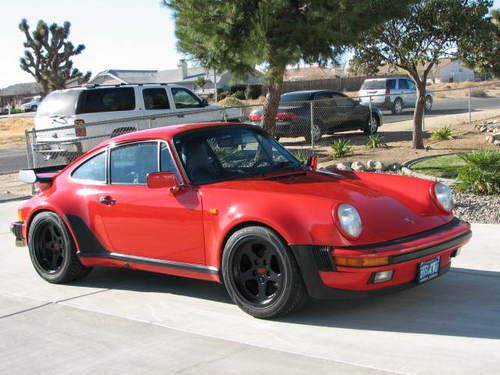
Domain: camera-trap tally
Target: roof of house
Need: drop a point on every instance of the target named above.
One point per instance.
(20, 89)
(155, 76)
(312, 72)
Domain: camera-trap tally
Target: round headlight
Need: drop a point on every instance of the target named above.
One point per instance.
(349, 219)
(443, 196)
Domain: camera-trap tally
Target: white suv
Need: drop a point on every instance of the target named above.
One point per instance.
(95, 112)
(393, 94)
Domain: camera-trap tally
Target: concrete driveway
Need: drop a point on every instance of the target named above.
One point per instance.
(119, 321)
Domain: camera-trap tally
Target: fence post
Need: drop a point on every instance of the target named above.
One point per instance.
(224, 114)
(150, 125)
(311, 109)
(469, 105)
(371, 114)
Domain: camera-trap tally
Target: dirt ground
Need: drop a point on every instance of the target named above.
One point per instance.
(12, 129)
(398, 137)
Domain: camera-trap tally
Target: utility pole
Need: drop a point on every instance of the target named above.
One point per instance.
(215, 86)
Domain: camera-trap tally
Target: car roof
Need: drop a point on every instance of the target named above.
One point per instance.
(311, 91)
(385, 78)
(98, 86)
(165, 132)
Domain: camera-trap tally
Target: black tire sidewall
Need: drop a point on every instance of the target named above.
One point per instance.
(42, 219)
(276, 307)
(394, 107)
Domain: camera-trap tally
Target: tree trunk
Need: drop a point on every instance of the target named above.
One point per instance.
(418, 139)
(272, 101)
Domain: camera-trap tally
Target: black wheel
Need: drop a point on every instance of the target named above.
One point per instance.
(371, 126)
(34, 108)
(52, 250)
(261, 274)
(428, 103)
(317, 134)
(397, 107)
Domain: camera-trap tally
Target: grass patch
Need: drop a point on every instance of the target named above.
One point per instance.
(446, 166)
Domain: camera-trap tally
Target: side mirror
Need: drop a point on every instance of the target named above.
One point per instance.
(157, 180)
(204, 103)
(312, 162)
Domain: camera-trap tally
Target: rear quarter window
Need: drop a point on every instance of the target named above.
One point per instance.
(92, 170)
(106, 100)
(378, 84)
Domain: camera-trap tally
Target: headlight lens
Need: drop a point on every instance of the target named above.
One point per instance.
(443, 196)
(349, 219)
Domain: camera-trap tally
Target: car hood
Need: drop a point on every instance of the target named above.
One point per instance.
(390, 206)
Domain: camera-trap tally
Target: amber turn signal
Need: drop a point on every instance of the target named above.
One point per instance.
(361, 262)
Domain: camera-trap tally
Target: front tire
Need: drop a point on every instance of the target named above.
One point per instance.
(261, 274)
(52, 251)
(317, 134)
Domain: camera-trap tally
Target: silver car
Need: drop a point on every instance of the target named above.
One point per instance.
(394, 94)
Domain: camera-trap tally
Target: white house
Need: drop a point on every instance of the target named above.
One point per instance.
(449, 70)
(183, 75)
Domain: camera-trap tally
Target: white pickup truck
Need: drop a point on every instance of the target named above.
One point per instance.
(72, 121)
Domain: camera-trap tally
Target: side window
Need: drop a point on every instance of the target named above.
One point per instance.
(411, 85)
(130, 164)
(93, 169)
(323, 95)
(391, 84)
(403, 84)
(106, 100)
(184, 98)
(155, 98)
(166, 162)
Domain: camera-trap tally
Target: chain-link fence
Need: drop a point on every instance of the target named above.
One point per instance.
(301, 125)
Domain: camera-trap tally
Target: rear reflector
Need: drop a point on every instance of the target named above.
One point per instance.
(361, 262)
(81, 131)
(254, 117)
(286, 116)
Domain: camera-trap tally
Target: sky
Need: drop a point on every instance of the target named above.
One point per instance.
(118, 34)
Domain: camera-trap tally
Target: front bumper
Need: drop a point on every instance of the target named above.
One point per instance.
(324, 279)
(17, 230)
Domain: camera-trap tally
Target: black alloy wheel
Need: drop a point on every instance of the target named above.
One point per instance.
(52, 250)
(260, 273)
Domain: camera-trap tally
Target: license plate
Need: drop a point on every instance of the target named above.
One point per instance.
(428, 270)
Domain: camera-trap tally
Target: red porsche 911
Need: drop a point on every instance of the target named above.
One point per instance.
(227, 203)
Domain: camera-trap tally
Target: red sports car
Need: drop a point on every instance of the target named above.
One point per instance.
(227, 203)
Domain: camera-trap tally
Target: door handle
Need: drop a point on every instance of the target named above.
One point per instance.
(107, 200)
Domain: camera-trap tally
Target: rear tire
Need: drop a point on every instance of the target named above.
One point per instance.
(371, 126)
(397, 107)
(428, 103)
(52, 250)
(261, 274)
(317, 132)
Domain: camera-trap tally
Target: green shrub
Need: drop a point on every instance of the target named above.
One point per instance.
(478, 93)
(481, 173)
(239, 95)
(442, 134)
(376, 141)
(341, 147)
(301, 154)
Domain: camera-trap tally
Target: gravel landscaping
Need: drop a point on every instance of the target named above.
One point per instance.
(477, 208)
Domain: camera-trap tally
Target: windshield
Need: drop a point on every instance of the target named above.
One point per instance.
(59, 103)
(295, 97)
(378, 84)
(226, 153)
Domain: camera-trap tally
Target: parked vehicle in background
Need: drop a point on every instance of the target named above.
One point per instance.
(31, 104)
(62, 118)
(333, 111)
(227, 203)
(393, 94)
